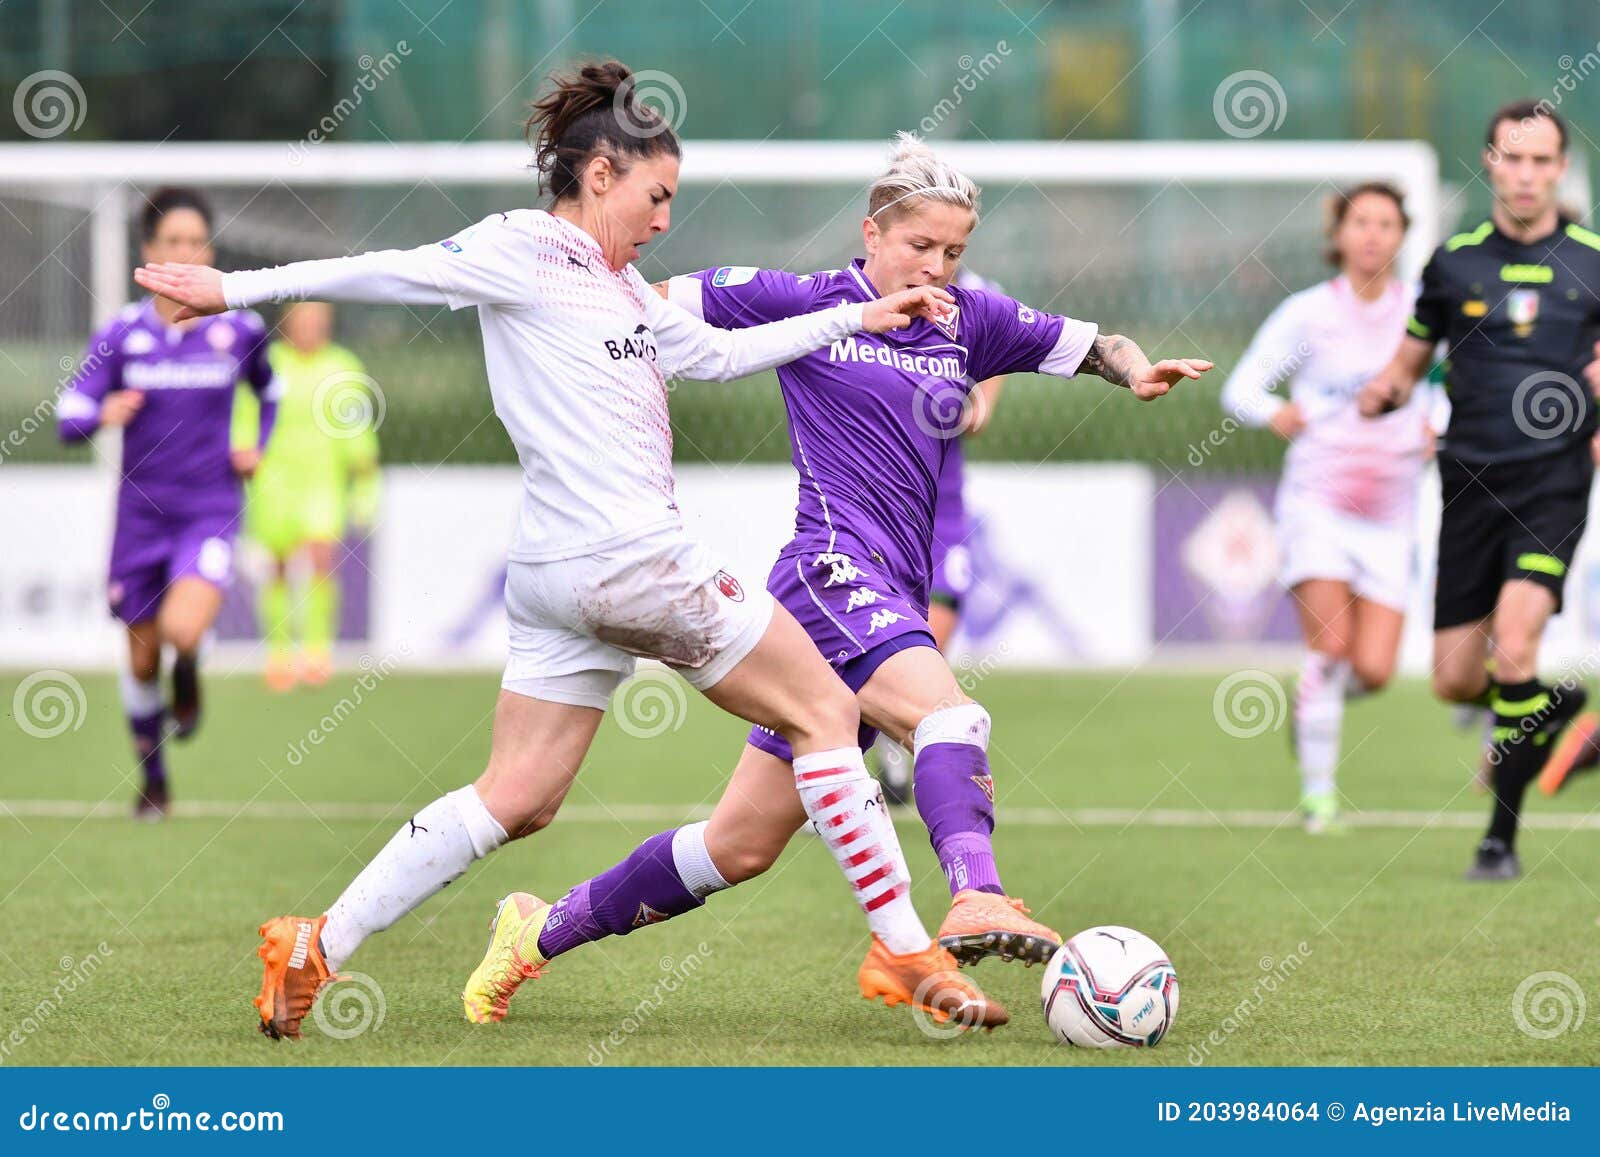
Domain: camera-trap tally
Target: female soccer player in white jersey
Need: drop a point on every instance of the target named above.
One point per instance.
(870, 421)
(577, 347)
(1346, 506)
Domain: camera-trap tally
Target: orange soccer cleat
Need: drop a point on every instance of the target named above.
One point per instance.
(295, 973)
(982, 924)
(1577, 750)
(928, 980)
(280, 673)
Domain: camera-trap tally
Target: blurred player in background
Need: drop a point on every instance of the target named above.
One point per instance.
(952, 558)
(319, 475)
(1518, 301)
(1347, 502)
(578, 348)
(870, 421)
(169, 385)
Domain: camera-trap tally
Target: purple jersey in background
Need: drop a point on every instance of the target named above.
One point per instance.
(179, 499)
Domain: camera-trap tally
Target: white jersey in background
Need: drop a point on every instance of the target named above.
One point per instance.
(577, 356)
(1327, 343)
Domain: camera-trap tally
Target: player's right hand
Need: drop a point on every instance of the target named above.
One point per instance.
(897, 310)
(1378, 396)
(120, 406)
(1288, 422)
(198, 288)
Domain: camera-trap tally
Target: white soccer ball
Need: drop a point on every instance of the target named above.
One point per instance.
(1110, 987)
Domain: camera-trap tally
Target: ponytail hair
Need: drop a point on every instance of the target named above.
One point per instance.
(916, 174)
(591, 112)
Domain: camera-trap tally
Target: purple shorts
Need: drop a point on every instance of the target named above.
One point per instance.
(854, 611)
(151, 552)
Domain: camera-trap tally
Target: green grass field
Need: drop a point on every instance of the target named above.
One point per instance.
(1122, 801)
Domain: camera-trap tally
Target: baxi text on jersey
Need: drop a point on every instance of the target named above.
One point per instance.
(851, 349)
(641, 345)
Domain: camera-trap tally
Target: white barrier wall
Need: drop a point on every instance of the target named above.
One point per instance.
(1065, 558)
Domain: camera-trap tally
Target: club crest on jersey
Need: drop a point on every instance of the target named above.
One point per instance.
(729, 586)
(647, 915)
(1522, 307)
(946, 318)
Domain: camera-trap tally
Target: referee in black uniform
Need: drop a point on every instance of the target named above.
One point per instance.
(1515, 299)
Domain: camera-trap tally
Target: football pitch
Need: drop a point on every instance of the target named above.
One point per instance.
(1122, 801)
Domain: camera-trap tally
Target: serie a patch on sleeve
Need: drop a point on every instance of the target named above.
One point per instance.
(733, 275)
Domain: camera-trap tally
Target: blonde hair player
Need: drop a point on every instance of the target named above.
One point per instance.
(870, 421)
(578, 347)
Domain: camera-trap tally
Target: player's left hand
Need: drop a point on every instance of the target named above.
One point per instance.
(198, 288)
(897, 310)
(245, 461)
(1163, 375)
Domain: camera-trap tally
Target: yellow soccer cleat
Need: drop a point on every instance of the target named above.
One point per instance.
(982, 924)
(928, 980)
(513, 957)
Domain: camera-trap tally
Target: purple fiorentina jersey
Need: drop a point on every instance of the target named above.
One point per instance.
(175, 452)
(873, 416)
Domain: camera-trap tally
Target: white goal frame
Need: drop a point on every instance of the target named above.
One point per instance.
(99, 176)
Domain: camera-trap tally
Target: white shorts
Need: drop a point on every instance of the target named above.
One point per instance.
(579, 624)
(1376, 560)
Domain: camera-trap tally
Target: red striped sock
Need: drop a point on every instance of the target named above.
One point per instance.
(847, 809)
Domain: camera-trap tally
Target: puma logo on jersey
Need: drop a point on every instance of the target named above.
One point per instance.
(302, 944)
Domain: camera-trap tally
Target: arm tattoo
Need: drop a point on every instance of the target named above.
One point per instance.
(1112, 357)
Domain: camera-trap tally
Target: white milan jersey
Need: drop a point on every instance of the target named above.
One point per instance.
(577, 355)
(1327, 343)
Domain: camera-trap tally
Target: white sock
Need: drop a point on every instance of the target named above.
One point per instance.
(434, 847)
(846, 806)
(693, 860)
(141, 698)
(1319, 719)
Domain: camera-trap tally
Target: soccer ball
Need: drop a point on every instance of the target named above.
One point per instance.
(1110, 987)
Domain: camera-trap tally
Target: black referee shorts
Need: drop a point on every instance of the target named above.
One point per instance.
(1511, 520)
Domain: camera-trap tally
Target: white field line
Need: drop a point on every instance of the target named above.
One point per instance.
(671, 813)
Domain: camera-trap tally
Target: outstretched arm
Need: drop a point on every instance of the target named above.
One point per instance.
(1120, 361)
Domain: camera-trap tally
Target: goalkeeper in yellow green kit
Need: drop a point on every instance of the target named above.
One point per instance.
(318, 475)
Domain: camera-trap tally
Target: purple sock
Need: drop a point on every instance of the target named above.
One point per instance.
(955, 798)
(644, 889)
(147, 735)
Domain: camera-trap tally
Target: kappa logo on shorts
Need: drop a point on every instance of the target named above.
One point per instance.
(729, 586)
(882, 619)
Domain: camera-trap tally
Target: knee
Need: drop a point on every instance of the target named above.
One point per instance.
(966, 723)
(512, 808)
(184, 636)
(745, 859)
(1455, 686)
(1374, 674)
(831, 711)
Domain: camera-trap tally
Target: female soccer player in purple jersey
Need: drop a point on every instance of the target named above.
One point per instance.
(169, 384)
(578, 348)
(870, 421)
